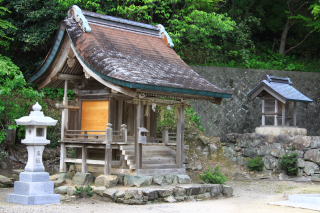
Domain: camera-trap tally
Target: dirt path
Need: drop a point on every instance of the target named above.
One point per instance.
(249, 197)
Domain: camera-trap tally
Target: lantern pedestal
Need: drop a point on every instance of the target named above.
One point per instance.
(34, 187)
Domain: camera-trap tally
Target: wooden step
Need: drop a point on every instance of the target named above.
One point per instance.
(150, 152)
(162, 160)
(155, 166)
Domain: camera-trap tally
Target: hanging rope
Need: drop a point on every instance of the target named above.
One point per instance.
(176, 115)
(147, 110)
(162, 113)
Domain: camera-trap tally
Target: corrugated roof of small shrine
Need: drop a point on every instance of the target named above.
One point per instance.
(281, 87)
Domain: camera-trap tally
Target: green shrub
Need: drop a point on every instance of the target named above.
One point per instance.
(214, 176)
(255, 164)
(289, 163)
(84, 191)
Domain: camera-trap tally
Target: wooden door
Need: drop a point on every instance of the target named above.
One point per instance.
(94, 115)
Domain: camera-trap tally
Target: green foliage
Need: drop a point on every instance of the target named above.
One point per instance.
(15, 97)
(289, 163)
(84, 191)
(191, 118)
(256, 164)
(54, 93)
(214, 176)
(3, 154)
(5, 25)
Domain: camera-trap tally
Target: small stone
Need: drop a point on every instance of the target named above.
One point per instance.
(300, 163)
(82, 178)
(199, 167)
(179, 192)
(169, 199)
(138, 181)
(99, 190)
(205, 140)
(184, 179)
(283, 177)
(136, 194)
(212, 148)
(110, 193)
(107, 181)
(179, 199)
(152, 194)
(250, 152)
(310, 168)
(58, 183)
(71, 191)
(120, 194)
(198, 148)
(3, 165)
(312, 155)
(61, 190)
(165, 192)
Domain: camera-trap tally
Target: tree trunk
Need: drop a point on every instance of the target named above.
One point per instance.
(284, 34)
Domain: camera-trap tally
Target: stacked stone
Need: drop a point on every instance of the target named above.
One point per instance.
(241, 147)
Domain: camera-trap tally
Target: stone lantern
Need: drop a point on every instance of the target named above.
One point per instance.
(34, 186)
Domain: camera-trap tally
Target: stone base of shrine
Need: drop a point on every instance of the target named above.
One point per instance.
(33, 188)
(280, 130)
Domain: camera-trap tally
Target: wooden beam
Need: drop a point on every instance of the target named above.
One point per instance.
(68, 77)
(111, 117)
(178, 139)
(61, 60)
(263, 116)
(84, 159)
(137, 145)
(283, 114)
(63, 151)
(295, 113)
(127, 91)
(62, 106)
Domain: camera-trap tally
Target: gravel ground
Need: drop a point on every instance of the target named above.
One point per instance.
(249, 196)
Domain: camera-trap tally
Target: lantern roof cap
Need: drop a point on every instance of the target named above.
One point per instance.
(36, 117)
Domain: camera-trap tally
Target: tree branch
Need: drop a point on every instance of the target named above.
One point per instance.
(248, 9)
(291, 48)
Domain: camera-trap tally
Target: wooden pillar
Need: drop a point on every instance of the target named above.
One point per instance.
(142, 115)
(108, 150)
(153, 124)
(120, 114)
(63, 151)
(148, 122)
(64, 119)
(84, 167)
(295, 113)
(178, 138)
(165, 135)
(263, 116)
(275, 112)
(180, 165)
(138, 146)
(111, 117)
(283, 114)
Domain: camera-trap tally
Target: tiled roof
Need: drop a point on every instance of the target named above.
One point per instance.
(283, 87)
(134, 57)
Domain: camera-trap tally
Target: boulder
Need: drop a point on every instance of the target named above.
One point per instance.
(120, 194)
(312, 155)
(300, 153)
(5, 182)
(227, 191)
(250, 152)
(64, 176)
(81, 178)
(99, 190)
(315, 142)
(61, 190)
(244, 140)
(179, 192)
(107, 181)
(71, 191)
(215, 189)
(184, 179)
(205, 151)
(269, 162)
(164, 180)
(300, 163)
(152, 194)
(3, 165)
(212, 148)
(310, 168)
(277, 150)
(199, 167)
(169, 199)
(228, 152)
(165, 192)
(264, 150)
(110, 193)
(231, 137)
(283, 176)
(205, 140)
(131, 180)
(72, 168)
(256, 142)
(58, 183)
(120, 178)
(285, 138)
(240, 160)
(133, 194)
(300, 142)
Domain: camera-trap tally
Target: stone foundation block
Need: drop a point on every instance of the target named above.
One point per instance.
(130, 180)
(81, 178)
(34, 176)
(33, 200)
(227, 191)
(107, 181)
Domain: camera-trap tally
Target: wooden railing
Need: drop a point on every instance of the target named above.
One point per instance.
(93, 135)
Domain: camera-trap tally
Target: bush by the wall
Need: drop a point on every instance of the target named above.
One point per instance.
(255, 164)
(289, 163)
(84, 191)
(214, 176)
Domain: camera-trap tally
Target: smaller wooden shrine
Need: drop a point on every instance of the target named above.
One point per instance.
(278, 95)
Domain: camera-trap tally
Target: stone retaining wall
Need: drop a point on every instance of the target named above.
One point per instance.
(240, 147)
(241, 115)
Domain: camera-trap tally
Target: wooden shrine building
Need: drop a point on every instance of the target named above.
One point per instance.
(278, 95)
(120, 70)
